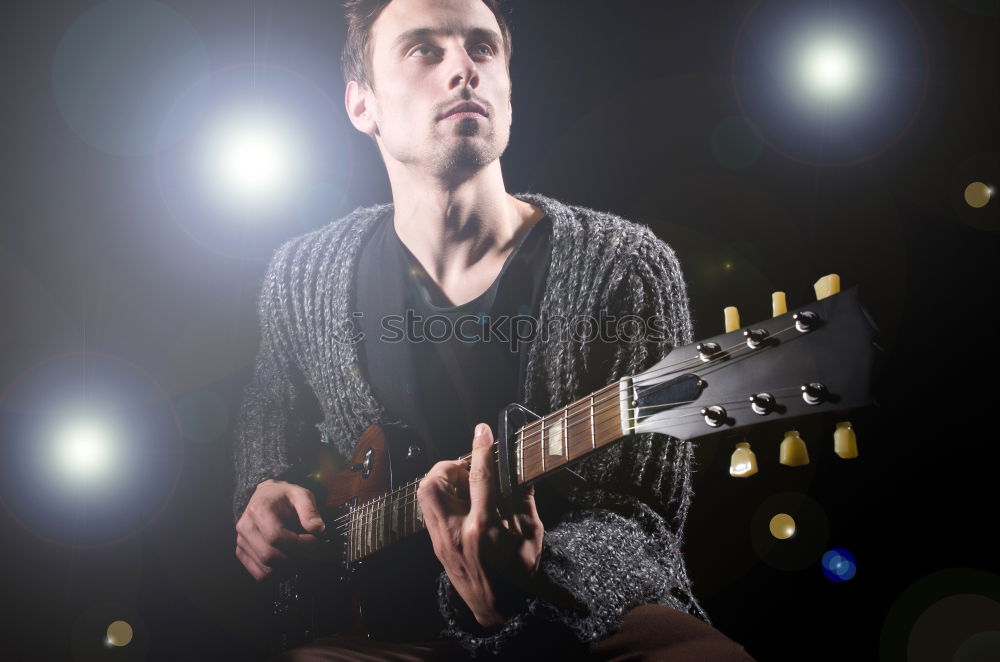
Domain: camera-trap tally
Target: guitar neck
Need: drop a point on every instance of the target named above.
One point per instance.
(540, 448)
(813, 360)
(376, 524)
(568, 434)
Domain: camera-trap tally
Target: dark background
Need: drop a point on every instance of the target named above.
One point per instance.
(615, 108)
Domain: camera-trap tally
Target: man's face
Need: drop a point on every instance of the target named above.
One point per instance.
(429, 56)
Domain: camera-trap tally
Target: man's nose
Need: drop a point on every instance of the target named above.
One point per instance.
(462, 69)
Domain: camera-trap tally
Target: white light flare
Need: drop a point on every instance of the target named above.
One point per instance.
(84, 452)
(830, 69)
(252, 160)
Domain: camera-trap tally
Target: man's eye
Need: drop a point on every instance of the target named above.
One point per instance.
(483, 49)
(422, 51)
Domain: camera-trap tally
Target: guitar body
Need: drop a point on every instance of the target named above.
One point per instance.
(391, 595)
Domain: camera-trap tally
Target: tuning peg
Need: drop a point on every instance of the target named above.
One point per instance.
(732, 319)
(778, 305)
(743, 462)
(793, 451)
(845, 442)
(827, 286)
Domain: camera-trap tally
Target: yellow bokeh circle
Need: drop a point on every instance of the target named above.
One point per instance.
(119, 634)
(782, 526)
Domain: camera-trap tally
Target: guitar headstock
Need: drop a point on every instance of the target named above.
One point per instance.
(814, 359)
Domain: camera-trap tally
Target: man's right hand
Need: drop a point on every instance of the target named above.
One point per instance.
(263, 539)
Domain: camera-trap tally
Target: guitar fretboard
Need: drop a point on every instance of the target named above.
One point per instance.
(540, 447)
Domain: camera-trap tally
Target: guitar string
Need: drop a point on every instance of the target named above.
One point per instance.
(537, 427)
(560, 418)
(378, 507)
(465, 458)
(642, 412)
(374, 523)
(608, 423)
(585, 401)
(528, 438)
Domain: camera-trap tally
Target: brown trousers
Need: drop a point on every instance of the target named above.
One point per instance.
(649, 633)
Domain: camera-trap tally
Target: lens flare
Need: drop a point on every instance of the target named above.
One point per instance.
(839, 565)
(84, 451)
(251, 159)
(119, 634)
(830, 69)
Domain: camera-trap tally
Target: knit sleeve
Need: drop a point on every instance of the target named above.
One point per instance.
(279, 408)
(619, 544)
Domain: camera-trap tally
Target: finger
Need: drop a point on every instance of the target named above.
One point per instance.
(481, 495)
(525, 501)
(438, 490)
(260, 546)
(252, 565)
(292, 542)
(305, 507)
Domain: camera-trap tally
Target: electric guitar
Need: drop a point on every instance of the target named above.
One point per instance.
(817, 358)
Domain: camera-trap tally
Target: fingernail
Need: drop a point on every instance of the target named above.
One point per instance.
(317, 520)
(479, 430)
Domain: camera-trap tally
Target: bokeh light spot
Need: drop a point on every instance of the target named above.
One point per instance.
(83, 451)
(839, 565)
(252, 158)
(119, 634)
(980, 647)
(91, 452)
(270, 158)
(978, 194)
(811, 532)
(830, 85)
(782, 526)
(117, 70)
(949, 614)
(829, 68)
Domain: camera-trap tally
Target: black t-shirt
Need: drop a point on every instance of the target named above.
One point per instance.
(439, 369)
(442, 369)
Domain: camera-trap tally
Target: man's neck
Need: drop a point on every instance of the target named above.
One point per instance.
(460, 232)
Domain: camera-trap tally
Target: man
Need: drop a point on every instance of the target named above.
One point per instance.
(601, 568)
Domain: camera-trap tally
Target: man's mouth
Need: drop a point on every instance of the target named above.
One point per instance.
(465, 109)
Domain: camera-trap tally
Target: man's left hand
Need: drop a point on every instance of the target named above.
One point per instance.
(470, 538)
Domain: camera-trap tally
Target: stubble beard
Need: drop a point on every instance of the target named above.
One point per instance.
(461, 154)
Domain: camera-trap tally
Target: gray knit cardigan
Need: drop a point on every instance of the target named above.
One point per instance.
(620, 546)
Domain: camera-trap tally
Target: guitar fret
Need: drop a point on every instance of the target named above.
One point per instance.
(366, 549)
(411, 515)
(545, 441)
(386, 525)
(359, 542)
(380, 523)
(360, 530)
(565, 435)
(395, 516)
(419, 513)
(593, 434)
(416, 510)
(520, 455)
(350, 536)
(362, 545)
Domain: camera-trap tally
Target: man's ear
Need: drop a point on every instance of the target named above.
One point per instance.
(357, 100)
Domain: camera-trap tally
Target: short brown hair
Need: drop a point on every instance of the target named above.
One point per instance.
(356, 60)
